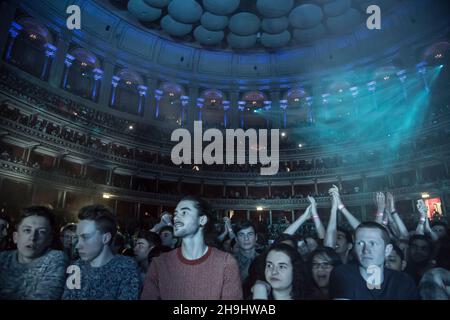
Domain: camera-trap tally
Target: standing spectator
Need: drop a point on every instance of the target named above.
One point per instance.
(370, 280)
(104, 276)
(194, 270)
(33, 271)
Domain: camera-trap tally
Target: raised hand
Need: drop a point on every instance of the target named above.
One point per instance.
(422, 207)
(312, 201)
(166, 219)
(380, 201)
(390, 203)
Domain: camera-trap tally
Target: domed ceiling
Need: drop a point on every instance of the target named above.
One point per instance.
(249, 24)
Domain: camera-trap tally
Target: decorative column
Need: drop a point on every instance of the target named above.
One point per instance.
(114, 82)
(200, 104)
(354, 92)
(421, 68)
(226, 107)
(316, 189)
(142, 90)
(267, 107)
(270, 188)
(158, 96)
(8, 10)
(98, 75)
(68, 62)
(184, 104)
(283, 106)
(104, 92)
(50, 51)
(325, 98)
(241, 108)
(372, 86)
(57, 67)
(309, 103)
(14, 31)
(234, 97)
(402, 77)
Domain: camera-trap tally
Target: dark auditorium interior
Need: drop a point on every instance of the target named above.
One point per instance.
(88, 112)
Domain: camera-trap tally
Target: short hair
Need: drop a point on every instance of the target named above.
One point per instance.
(375, 225)
(103, 218)
(348, 234)
(204, 209)
(286, 237)
(68, 227)
(39, 211)
(165, 228)
(398, 251)
(152, 238)
(335, 259)
(423, 237)
(439, 223)
(244, 224)
(4, 216)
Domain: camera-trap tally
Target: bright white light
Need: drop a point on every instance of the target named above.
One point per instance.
(259, 208)
(283, 134)
(106, 196)
(425, 195)
(300, 145)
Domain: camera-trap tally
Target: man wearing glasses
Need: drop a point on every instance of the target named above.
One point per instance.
(104, 276)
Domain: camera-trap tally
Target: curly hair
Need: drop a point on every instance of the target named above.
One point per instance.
(299, 279)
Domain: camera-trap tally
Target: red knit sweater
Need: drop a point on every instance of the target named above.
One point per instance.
(214, 276)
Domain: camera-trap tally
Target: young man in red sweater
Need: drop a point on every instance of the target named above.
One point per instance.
(194, 271)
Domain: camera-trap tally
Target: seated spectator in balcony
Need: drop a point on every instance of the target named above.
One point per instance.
(194, 270)
(146, 243)
(396, 259)
(4, 231)
(322, 262)
(370, 280)
(284, 275)
(67, 236)
(104, 276)
(33, 271)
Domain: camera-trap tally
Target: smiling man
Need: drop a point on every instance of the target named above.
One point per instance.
(104, 276)
(370, 280)
(193, 271)
(33, 271)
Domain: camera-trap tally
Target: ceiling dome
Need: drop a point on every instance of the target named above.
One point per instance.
(309, 35)
(214, 22)
(244, 24)
(306, 16)
(185, 11)
(274, 9)
(275, 40)
(345, 22)
(143, 11)
(175, 28)
(208, 37)
(336, 7)
(221, 7)
(275, 25)
(241, 42)
(157, 3)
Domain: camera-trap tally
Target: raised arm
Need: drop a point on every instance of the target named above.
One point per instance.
(317, 223)
(293, 227)
(380, 202)
(166, 220)
(430, 231)
(331, 235)
(390, 208)
(352, 220)
(420, 229)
